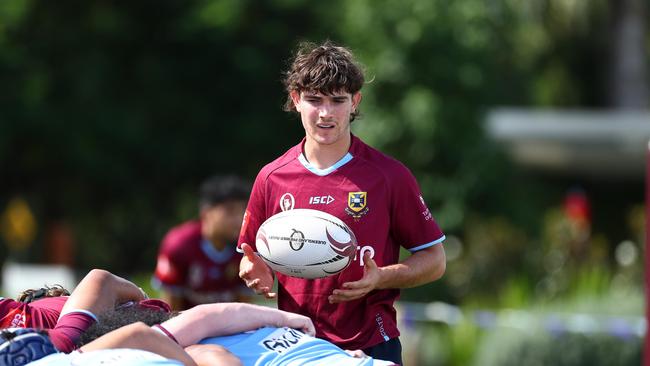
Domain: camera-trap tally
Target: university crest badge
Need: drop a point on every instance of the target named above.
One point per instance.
(357, 204)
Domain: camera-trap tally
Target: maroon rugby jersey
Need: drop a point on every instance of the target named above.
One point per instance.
(44, 314)
(379, 199)
(190, 267)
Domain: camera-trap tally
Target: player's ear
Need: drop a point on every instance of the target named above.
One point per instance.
(356, 100)
(295, 98)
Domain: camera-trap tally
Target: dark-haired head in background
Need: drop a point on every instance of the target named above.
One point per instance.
(197, 262)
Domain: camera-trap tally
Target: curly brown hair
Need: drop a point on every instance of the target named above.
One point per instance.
(325, 68)
(30, 295)
(112, 319)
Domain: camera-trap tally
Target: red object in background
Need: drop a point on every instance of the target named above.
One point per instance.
(59, 243)
(577, 206)
(646, 351)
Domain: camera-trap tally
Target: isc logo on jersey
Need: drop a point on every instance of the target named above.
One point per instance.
(321, 200)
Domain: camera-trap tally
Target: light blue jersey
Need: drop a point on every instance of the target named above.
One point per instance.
(107, 357)
(287, 347)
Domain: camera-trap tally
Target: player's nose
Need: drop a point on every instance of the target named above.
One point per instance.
(325, 110)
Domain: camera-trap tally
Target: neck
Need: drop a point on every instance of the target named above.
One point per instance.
(217, 243)
(324, 156)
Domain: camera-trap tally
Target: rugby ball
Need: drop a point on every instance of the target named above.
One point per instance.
(306, 243)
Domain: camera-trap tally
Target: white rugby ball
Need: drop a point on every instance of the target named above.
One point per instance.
(306, 243)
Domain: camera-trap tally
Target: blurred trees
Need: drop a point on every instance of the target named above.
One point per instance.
(112, 113)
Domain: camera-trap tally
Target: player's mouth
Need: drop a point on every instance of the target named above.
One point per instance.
(325, 125)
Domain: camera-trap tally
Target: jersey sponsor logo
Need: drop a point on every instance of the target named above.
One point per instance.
(321, 200)
(361, 251)
(15, 318)
(426, 213)
(380, 326)
(287, 202)
(283, 340)
(357, 204)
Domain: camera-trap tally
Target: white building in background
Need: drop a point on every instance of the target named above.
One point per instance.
(601, 144)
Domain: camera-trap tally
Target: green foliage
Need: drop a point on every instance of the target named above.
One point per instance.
(112, 116)
(535, 332)
(509, 348)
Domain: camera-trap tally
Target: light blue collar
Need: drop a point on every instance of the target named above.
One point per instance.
(323, 172)
(217, 256)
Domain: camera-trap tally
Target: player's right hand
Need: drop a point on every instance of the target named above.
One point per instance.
(255, 273)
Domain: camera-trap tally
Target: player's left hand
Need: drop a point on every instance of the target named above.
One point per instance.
(358, 289)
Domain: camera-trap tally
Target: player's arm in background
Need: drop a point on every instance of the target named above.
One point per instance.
(101, 290)
(214, 320)
(97, 292)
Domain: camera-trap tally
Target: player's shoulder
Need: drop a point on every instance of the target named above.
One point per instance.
(380, 161)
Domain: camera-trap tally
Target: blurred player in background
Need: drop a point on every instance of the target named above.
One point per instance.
(375, 195)
(197, 261)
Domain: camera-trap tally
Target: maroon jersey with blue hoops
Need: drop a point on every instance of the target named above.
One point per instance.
(189, 266)
(379, 199)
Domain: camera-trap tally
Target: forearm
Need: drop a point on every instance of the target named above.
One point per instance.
(100, 290)
(140, 336)
(421, 267)
(213, 320)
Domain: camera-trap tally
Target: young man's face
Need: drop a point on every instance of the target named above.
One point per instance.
(222, 222)
(326, 118)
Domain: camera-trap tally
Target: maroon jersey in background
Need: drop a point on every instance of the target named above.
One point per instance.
(379, 199)
(189, 266)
